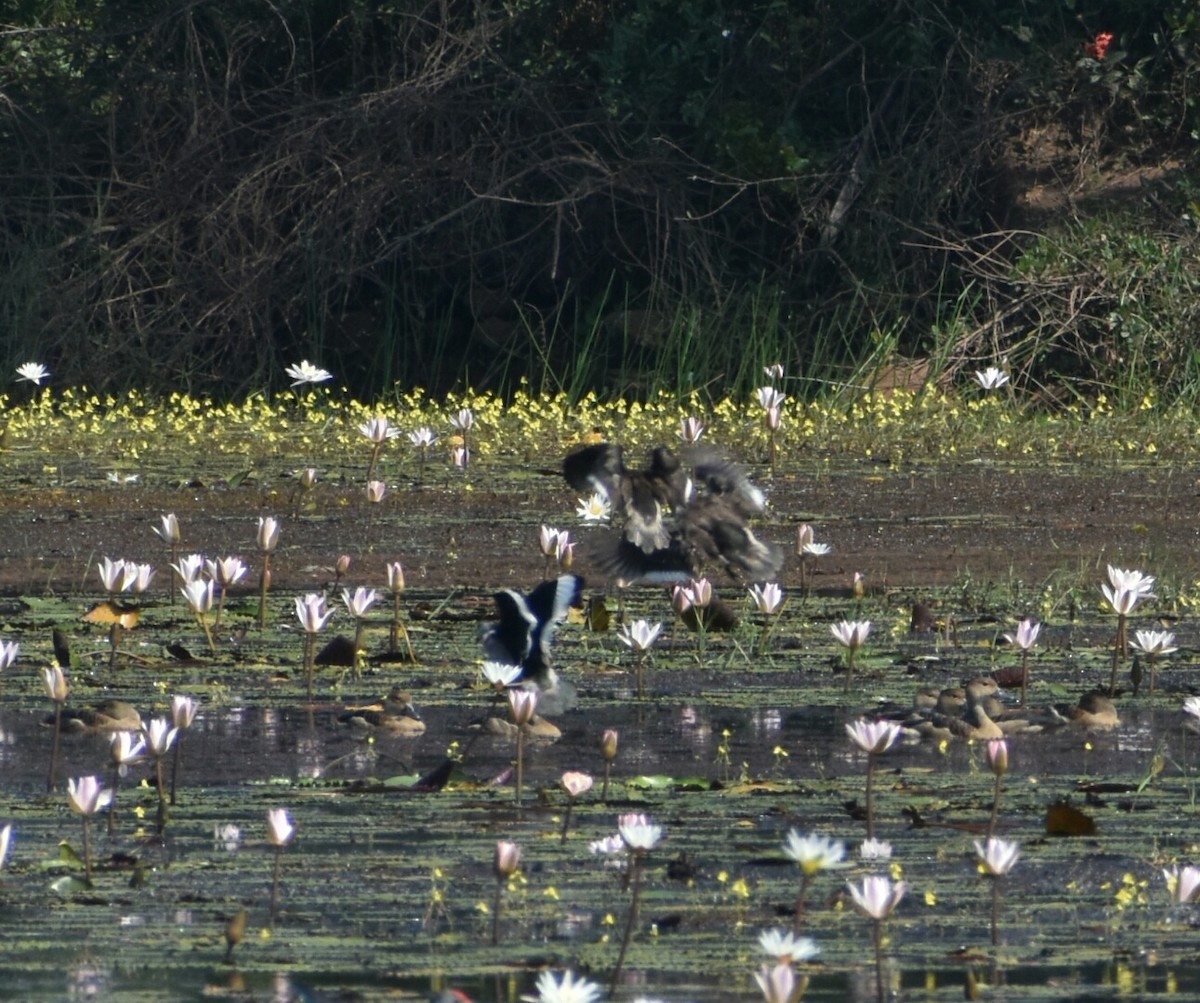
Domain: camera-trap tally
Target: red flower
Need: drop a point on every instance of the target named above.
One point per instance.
(1098, 48)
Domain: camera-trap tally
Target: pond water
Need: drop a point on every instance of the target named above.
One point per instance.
(388, 893)
(365, 866)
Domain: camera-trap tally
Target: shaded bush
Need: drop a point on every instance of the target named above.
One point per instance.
(198, 193)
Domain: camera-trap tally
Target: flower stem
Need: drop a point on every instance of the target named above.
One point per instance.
(275, 884)
(52, 781)
(87, 848)
(566, 820)
(995, 911)
(212, 648)
(310, 644)
(264, 580)
(1118, 647)
(870, 795)
(995, 807)
(634, 902)
(798, 922)
(174, 765)
(520, 761)
(878, 931)
(496, 912)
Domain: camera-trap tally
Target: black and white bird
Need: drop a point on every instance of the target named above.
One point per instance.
(525, 629)
(675, 524)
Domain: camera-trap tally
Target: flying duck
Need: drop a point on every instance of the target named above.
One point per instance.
(675, 524)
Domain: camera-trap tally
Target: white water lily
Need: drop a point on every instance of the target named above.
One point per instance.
(639, 635)
(306, 372)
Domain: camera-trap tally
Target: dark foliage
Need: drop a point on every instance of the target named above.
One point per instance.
(198, 192)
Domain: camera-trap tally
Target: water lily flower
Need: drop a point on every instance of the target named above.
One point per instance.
(816, 549)
(168, 530)
(786, 948)
(308, 478)
(607, 845)
(136, 578)
(774, 371)
(507, 859)
(460, 457)
(699, 592)
(997, 756)
(111, 574)
(548, 540)
(804, 534)
(874, 737)
(5, 841)
(1130, 580)
(997, 856)
(769, 398)
(311, 612)
(8, 653)
(189, 568)
(376, 491)
(774, 418)
(522, 705)
(576, 783)
(877, 896)
(690, 430)
(34, 372)
(306, 372)
(778, 984)
(568, 989)
(610, 740)
(639, 635)
(595, 508)
(1183, 883)
(638, 832)
(463, 420)
(1026, 635)
(813, 852)
(767, 598)
(87, 795)
(198, 594)
(423, 437)
(851, 634)
(377, 430)
(1192, 706)
(1154, 642)
(267, 535)
(875, 849)
(991, 378)
(280, 829)
(183, 711)
(501, 675)
(360, 601)
(56, 683)
(395, 576)
(226, 571)
(160, 735)
(125, 750)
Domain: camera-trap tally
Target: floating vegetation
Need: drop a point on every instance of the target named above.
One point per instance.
(465, 855)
